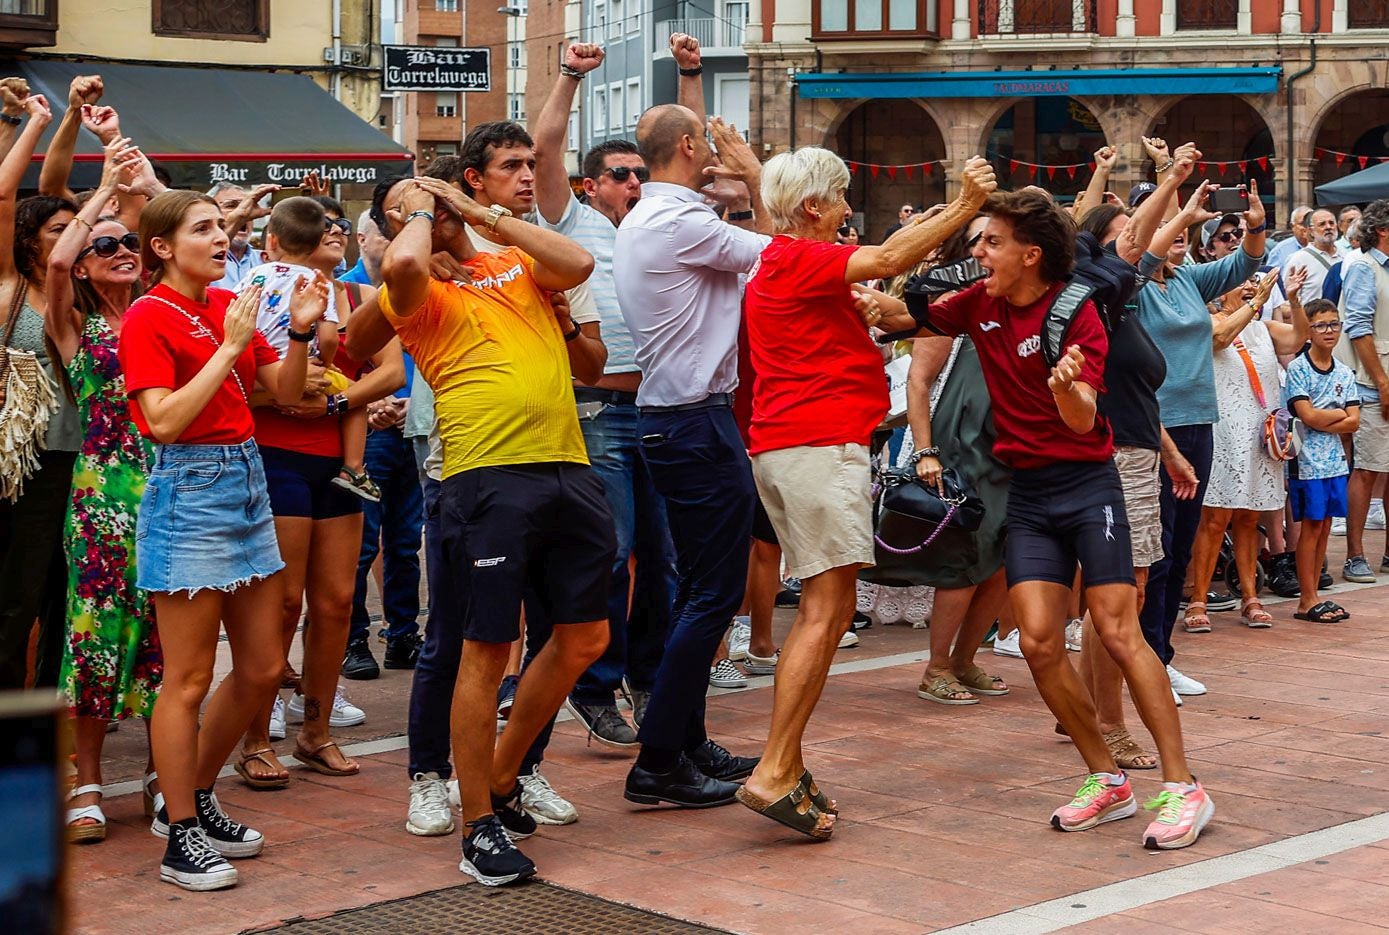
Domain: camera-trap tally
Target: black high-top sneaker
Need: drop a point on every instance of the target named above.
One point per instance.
(191, 862)
(229, 838)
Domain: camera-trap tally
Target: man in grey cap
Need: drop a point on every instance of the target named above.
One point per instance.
(1221, 236)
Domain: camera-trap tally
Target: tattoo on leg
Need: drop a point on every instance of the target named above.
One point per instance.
(311, 712)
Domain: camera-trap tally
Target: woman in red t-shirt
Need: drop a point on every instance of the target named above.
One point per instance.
(206, 545)
(818, 394)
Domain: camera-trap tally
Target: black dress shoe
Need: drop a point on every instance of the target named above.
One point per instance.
(717, 763)
(684, 785)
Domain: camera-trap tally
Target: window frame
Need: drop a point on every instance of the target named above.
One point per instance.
(927, 16)
(633, 92)
(261, 35)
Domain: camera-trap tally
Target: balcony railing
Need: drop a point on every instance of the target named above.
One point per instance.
(711, 33)
(1368, 15)
(1035, 17)
(1207, 14)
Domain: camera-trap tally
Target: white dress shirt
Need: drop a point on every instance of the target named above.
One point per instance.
(676, 268)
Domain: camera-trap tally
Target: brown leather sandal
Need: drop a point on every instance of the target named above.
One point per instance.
(1126, 751)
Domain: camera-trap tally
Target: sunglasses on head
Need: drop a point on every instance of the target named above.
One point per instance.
(623, 173)
(1326, 326)
(106, 247)
(1231, 236)
(342, 224)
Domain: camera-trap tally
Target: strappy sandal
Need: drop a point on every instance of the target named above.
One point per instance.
(315, 760)
(1196, 622)
(154, 801)
(823, 802)
(982, 683)
(941, 688)
(1252, 613)
(795, 810)
(261, 782)
(86, 834)
(1126, 751)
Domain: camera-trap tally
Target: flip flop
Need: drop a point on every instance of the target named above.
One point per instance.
(795, 810)
(1325, 612)
(262, 783)
(315, 761)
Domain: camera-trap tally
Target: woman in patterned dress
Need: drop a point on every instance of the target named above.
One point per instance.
(111, 661)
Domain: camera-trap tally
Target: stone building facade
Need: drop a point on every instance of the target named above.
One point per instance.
(1291, 93)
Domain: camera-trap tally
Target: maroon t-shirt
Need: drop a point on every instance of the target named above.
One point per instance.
(1031, 432)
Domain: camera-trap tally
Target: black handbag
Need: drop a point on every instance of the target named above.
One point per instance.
(909, 515)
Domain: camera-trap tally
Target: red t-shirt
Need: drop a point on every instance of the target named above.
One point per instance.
(161, 347)
(321, 436)
(819, 376)
(1031, 433)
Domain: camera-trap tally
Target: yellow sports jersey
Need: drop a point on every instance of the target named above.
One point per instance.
(494, 355)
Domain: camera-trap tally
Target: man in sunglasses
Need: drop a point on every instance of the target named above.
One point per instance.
(613, 173)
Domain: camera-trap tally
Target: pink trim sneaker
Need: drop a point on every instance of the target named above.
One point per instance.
(1182, 814)
(1095, 803)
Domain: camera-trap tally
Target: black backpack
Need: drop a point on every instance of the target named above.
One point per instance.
(1100, 276)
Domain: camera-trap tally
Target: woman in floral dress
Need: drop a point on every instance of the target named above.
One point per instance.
(111, 661)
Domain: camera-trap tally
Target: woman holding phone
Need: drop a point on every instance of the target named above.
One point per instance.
(205, 540)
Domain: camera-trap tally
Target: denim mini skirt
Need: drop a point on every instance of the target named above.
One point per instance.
(205, 520)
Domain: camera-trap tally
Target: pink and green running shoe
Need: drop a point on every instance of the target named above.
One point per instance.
(1182, 814)
(1095, 803)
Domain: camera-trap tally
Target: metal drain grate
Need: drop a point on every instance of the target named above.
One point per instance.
(532, 909)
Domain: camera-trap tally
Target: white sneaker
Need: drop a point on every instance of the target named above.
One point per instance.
(1074, 631)
(455, 799)
(345, 713)
(1375, 518)
(542, 802)
(1176, 698)
(429, 813)
(1008, 645)
(725, 674)
(757, 665)
(277, 719)
(1184, 685)
(1338, 525)
(739, 637)
(850, 638)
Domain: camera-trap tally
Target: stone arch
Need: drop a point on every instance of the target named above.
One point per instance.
(1229, 129)
(890, 132)
(1355, 122)
(1049, 130)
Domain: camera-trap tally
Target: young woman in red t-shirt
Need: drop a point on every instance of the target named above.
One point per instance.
(205, 542)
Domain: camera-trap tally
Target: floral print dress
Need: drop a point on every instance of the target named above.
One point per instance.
(112, 664)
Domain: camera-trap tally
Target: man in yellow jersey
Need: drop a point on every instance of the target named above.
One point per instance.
(520, 509)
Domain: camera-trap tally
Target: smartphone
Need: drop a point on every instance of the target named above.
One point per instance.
(32, 743)
(283, 193)
(1230, 199)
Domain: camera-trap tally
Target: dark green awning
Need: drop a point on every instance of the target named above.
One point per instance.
(210, 124)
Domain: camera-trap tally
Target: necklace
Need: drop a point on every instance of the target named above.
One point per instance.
(203, 331)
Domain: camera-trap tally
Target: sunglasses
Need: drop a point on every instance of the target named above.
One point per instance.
(623, 173)
(1232, 236)
(106, 247)
(342, 224)
(1327, 327)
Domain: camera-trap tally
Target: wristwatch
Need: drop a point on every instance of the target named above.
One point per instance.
(12, 121)
(337, 404)
(304, 337)
(740, 215)
(495, 214)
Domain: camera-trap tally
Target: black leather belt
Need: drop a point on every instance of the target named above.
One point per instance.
(712, 401)
(589, 394)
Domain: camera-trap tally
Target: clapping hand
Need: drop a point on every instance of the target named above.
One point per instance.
(240, 321)
(1293, 281)
(308, 301)
(120, 155)
(736, 158)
